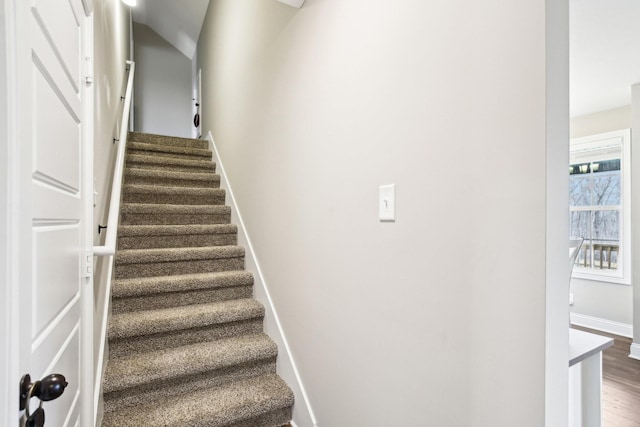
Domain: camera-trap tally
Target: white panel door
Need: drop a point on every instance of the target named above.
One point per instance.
(51, 50)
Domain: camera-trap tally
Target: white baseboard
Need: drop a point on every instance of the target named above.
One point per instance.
(604, 325)
(635, 351)
(302, 413)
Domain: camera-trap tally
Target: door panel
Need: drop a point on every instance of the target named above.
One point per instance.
(54, 342)
(56, 112)
(55, 276)
(62, 24)
(66, 360)
(65, 357)
(53, 236)
(43, 49)
(46, 204)
(58, 160)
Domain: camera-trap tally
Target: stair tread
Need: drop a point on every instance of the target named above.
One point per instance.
(157, 321)
(154, 160)
(140, 256)
(168, 149)
(133, 371)
(177, 208)
(167, 140)
(161, 173)
(217, 407)
(165, 189)
(187, 282)
(175, 230)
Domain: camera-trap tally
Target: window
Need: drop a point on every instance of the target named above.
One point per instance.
(599, 200)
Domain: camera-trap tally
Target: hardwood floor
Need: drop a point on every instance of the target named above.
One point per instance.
(620, 384)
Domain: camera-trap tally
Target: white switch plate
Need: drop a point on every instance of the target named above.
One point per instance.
(387, 202)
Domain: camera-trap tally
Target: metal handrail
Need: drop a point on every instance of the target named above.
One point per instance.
(109, 247)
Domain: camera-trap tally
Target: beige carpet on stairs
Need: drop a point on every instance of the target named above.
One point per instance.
(186, 340)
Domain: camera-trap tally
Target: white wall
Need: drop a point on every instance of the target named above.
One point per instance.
(603, 300)
(600, 122)
(5, 311)
(635, 218)
(557, 199)
(111, 32)
(163, 87)
(436, 319)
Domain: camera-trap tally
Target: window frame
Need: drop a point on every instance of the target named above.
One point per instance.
(597, 142)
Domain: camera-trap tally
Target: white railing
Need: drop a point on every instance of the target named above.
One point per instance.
(109, 247)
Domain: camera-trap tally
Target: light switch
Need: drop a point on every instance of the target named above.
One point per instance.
(387, 203)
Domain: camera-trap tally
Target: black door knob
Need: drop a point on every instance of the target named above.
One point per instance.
(51, 387)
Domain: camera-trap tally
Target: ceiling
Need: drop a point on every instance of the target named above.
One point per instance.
(604, 54)
(604, 51)
(179, 22)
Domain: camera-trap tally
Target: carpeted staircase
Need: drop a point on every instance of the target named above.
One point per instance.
(186, 346)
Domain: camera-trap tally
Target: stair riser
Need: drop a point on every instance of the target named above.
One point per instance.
(130, 345)
(168, 141)
(178, 267)
(192, 240)
(167, 162)
(179, 299)
(159, 154)
(170, 149)
(141, 287)
(172, 182)
(131, 398)
(212, 198)
(173, 219)
(173, 168)
(208, 167)
(274, 418)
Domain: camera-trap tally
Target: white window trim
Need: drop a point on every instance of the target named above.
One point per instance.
(623, 275)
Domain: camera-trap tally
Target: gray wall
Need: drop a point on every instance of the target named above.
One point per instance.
(603, 300)
(163, 86)
(435, 319)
